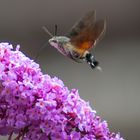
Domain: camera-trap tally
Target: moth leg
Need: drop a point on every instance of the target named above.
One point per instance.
(75, 56)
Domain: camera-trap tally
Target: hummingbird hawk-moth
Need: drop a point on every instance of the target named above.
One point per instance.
(82, 37)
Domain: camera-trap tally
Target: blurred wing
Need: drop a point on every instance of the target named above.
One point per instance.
(85, 33)
(79, 31)
(99, 30)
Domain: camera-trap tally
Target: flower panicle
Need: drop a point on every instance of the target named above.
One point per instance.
(36, 106)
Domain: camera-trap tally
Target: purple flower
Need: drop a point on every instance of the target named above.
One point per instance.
(35, 106)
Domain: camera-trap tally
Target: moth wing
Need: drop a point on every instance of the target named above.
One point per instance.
(99, 30)
(79, 26)
(86, 32)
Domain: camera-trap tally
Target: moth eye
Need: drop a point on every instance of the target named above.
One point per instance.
(55, 41)
(52, 40)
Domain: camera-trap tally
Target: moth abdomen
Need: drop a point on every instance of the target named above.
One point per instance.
(91, 60)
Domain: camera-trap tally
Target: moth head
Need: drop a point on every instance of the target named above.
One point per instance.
(58, 40)
(53, 41)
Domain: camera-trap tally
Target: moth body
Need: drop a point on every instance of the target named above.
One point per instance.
(64, 46)
(82, 37)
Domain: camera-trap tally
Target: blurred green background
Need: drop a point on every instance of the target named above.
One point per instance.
(113, 93)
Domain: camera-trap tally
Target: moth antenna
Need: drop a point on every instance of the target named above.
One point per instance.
(47, 31)
(55, 29)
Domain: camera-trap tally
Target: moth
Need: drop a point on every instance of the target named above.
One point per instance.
(82, 37)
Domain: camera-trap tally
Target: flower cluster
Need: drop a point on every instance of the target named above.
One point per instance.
(35, 106)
